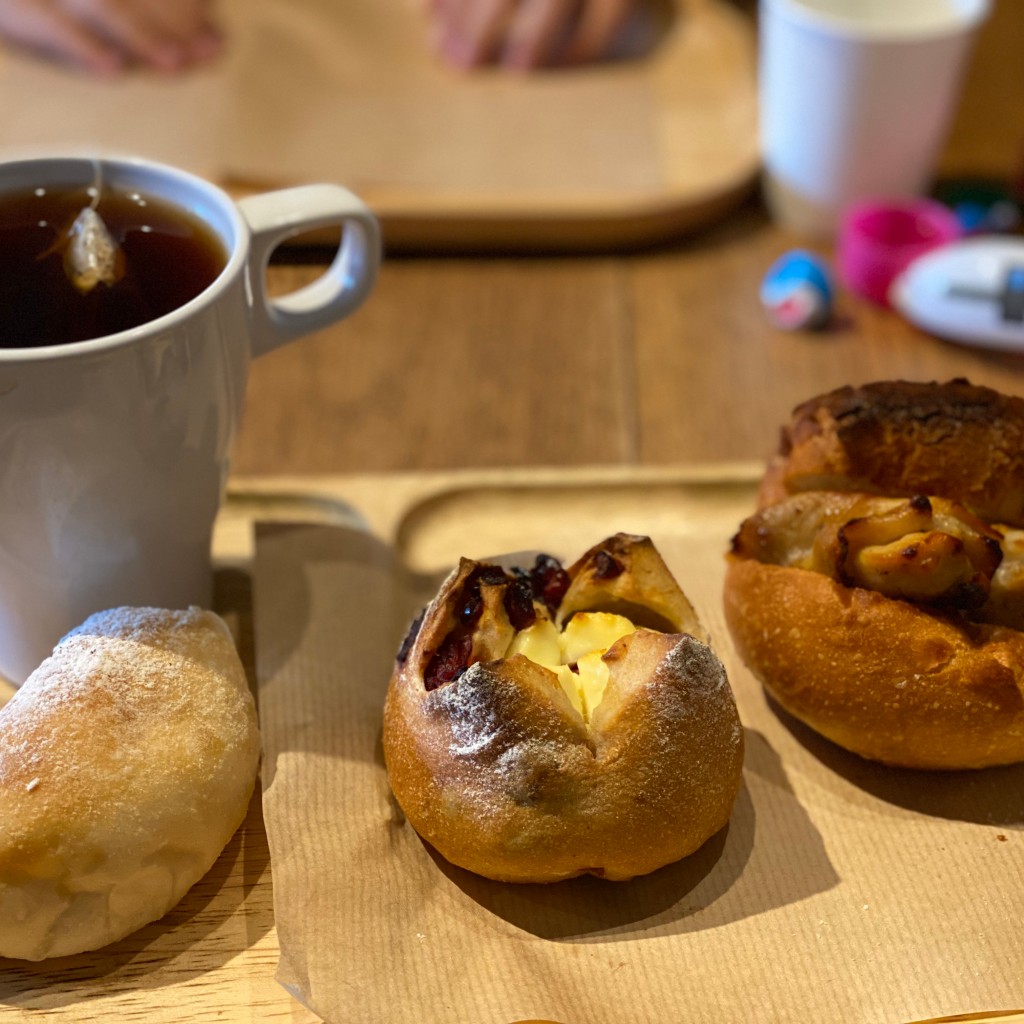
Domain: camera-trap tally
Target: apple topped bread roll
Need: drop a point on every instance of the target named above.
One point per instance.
(878, 591)
(544, 723)
(127, 760)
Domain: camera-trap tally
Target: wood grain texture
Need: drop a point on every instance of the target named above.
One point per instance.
(617, 360)
(452, 363)
(657, 358)
(987, 136)
(652, 357)
(997, 1017)
(716, 380)
(212, 958)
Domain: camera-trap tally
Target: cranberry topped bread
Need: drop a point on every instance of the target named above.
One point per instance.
(546, 723)
(878, 591)
(127, 760)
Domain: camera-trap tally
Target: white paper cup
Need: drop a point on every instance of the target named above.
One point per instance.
(856, 100)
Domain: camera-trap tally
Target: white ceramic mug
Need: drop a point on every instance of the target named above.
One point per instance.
(856, 99)
(114, 451)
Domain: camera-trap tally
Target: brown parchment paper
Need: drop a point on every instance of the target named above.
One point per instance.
(349, 91)
(840, 891)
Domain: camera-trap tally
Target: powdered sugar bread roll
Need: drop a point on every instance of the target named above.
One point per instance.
(547, 723)
(127, 760)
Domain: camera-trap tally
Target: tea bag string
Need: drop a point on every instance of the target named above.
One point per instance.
(94, 190)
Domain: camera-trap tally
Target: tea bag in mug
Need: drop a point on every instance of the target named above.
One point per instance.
(91, 256)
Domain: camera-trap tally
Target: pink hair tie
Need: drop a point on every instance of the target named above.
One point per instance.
(878, 240)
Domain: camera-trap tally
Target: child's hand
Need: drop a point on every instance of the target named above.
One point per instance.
(104, 36)
(525, 33)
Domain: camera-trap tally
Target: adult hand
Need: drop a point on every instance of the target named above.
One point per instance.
(105, 36)
(525, 34)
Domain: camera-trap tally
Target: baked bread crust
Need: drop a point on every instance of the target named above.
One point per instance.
(503, 776)
(127, 760)
(900, 438)
(892, 632)
(884, 678)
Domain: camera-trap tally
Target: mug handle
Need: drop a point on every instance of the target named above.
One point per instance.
(273, 217)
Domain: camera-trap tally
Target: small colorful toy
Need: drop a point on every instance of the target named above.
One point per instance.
(878, 240)
(797, 292)
(982, 205)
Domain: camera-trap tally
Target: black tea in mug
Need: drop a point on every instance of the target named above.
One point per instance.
(167, 256)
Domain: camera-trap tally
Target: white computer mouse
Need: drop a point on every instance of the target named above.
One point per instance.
(970, 291)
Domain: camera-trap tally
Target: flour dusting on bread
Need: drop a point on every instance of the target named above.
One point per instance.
(127, 760)
(590, 730)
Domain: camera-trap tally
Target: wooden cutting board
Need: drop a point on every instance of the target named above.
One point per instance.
(852, 851)
(639, 149)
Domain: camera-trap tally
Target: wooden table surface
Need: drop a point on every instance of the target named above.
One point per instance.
(641, 358)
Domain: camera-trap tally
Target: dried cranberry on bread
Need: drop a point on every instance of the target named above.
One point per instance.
(878, 590)
(545, 723)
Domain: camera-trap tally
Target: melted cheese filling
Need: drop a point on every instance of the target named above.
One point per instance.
(576, 654)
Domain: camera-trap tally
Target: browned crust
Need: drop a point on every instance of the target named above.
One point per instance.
(641, 587)
(500, 773)
(958, 440)
(881, 677)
